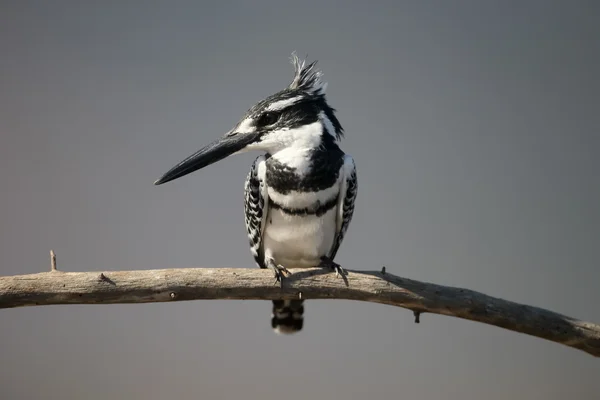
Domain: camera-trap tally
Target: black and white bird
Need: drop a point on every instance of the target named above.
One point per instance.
(299, 195)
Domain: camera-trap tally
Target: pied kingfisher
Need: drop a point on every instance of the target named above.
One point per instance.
(299, 195)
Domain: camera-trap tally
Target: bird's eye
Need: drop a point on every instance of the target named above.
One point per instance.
(268, 118)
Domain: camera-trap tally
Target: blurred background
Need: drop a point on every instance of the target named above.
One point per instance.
(474, 126)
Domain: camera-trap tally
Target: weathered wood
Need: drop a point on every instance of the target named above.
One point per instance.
(167, 285)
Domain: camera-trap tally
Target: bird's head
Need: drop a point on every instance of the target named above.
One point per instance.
(295, 117)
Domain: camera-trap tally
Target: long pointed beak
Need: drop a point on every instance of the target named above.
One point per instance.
(216, 151)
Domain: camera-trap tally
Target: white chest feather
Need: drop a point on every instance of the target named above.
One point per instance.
(299, 241)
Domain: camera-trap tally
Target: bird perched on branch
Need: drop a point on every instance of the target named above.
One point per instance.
(300, 194)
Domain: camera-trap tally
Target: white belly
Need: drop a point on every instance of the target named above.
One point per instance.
(299, 241)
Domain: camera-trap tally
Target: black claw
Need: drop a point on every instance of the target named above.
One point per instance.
(339, 270)
(278, 276)
(326, 262)
(278, 271)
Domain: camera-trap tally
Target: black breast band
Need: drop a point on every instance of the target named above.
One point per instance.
(318, 209)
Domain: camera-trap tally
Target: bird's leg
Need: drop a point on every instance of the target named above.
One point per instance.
(278, 270)
(327, 262)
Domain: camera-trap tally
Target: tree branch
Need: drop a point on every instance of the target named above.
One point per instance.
(167, 285)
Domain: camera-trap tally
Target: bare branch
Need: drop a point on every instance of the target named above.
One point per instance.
(169, 285)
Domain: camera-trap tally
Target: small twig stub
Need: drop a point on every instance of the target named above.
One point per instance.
(417, 315)
(52, 261)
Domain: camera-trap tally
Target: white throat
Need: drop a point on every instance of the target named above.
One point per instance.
(305, 137)
(297, 146)
(292, 147)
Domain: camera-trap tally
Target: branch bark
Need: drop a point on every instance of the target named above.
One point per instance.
(167, 285)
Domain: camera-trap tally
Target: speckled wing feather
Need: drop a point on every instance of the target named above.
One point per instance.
(256, 208)
(345, 209)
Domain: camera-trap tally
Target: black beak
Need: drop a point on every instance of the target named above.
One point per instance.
(216, 151)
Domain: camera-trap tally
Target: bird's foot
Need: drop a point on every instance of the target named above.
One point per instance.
(326, 262)
(278, 271)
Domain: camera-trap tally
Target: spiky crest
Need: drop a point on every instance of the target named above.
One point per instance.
(306, 77)
(306, 90)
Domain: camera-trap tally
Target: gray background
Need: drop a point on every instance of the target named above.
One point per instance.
(474, 127)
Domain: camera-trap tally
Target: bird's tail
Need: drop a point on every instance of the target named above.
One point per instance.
(288, 316)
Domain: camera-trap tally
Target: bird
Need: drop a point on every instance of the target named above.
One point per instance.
(300, 193)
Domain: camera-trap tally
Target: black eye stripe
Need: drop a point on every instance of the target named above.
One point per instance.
(298, 113)
(268, 118)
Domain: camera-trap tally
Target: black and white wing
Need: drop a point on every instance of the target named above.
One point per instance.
(256, 207)
(345, 207)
